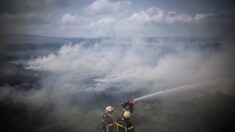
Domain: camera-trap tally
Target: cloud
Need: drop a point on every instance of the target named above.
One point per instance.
(105, 18)
(108, 6)
(223, 16)
(157, 15)
(103, 21)
(68, 18)
(152, 22)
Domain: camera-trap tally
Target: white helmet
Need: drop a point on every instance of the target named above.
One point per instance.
(109, 108)
(127, 114)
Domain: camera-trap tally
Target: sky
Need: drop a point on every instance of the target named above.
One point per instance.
(114, 18)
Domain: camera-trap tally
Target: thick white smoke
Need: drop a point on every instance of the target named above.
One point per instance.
(140, 65)
(79, 80)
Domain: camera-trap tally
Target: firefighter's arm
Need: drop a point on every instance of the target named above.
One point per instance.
(104, 118)
(124, 105)
(117, 105)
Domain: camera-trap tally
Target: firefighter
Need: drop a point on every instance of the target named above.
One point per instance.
(107, 121)
(128, 106)
(123, 123)
(126, 118)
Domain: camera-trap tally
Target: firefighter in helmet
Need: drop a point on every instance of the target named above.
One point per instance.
(128, 106)
(123, 123)
(107, 121)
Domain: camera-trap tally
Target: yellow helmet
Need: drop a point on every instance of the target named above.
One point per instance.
(127, 114)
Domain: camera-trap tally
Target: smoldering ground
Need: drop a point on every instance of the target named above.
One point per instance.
(69, 85)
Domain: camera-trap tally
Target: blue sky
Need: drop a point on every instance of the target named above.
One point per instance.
(102, 18)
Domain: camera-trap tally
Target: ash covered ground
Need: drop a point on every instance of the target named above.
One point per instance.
(63, 84)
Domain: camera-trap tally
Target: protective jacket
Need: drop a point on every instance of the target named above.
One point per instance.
(107, 123)
(128, 107)
(124, 125)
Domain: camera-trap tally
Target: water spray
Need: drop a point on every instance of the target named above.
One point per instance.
(175, 89)
(162, 92)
